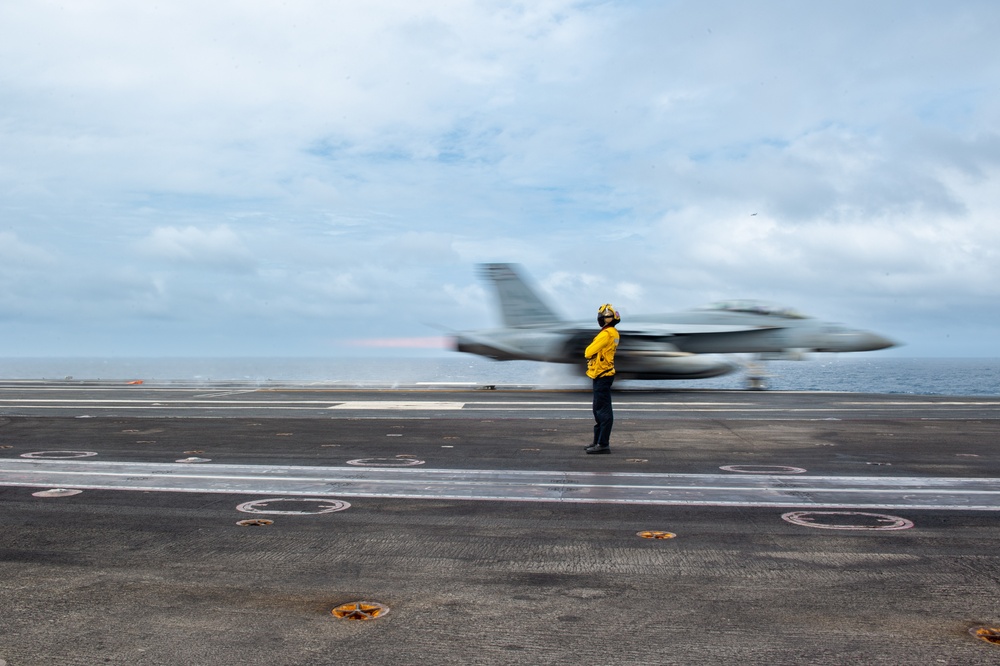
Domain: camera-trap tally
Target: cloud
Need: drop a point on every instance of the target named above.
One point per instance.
(266, 168)
(213, 249)
(16, 254)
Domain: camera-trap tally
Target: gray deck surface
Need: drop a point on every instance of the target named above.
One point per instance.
(810, 528)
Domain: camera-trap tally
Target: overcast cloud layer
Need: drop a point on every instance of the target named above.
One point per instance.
(258, 178)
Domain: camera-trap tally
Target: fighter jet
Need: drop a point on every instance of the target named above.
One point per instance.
(679, 345)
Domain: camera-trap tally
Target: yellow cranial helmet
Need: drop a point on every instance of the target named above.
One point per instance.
(608, 310)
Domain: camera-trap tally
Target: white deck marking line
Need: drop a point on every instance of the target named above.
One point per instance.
(456, 483)
(240, 404)
(222, 394)
(159, 405)
(943, 493)
(944, 403)
(397, 405)
(163, 401)
(417, 405)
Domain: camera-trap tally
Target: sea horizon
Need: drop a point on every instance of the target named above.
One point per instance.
(889, 375)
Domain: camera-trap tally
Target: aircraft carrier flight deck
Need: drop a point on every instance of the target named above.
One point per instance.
(229, 523)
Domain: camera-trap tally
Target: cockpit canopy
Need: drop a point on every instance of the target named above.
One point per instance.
(761, 308)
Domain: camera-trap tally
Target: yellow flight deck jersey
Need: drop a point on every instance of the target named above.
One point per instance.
(601, 353)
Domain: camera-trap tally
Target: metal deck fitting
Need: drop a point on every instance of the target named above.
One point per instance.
(360, 610)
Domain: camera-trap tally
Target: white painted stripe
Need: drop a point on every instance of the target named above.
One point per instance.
(398, 405)
(947, 403)
(211, 398)
(943, 493)
(222, 394)
(408, 405)
(163, 401)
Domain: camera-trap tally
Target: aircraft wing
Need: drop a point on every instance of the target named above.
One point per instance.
(665, 330)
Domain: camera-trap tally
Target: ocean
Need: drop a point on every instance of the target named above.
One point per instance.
(919, 376)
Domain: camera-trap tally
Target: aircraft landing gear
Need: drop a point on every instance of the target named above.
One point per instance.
(756, 378)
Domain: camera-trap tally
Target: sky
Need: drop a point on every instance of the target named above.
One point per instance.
(320, 178)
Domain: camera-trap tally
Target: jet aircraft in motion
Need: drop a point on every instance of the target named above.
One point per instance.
(679, 345)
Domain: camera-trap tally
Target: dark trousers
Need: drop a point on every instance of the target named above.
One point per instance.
(604, 415)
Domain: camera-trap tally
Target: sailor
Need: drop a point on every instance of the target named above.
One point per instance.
(600, 356)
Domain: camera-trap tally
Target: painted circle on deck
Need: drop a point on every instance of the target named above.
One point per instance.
(859, 520)
(386, 462)
(59, 454)
(265, 506)
(763, 469)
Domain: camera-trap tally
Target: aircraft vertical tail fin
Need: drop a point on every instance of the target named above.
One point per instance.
(520, 305)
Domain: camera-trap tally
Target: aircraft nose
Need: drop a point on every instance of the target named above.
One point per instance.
(872, 341)
(853, 340)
